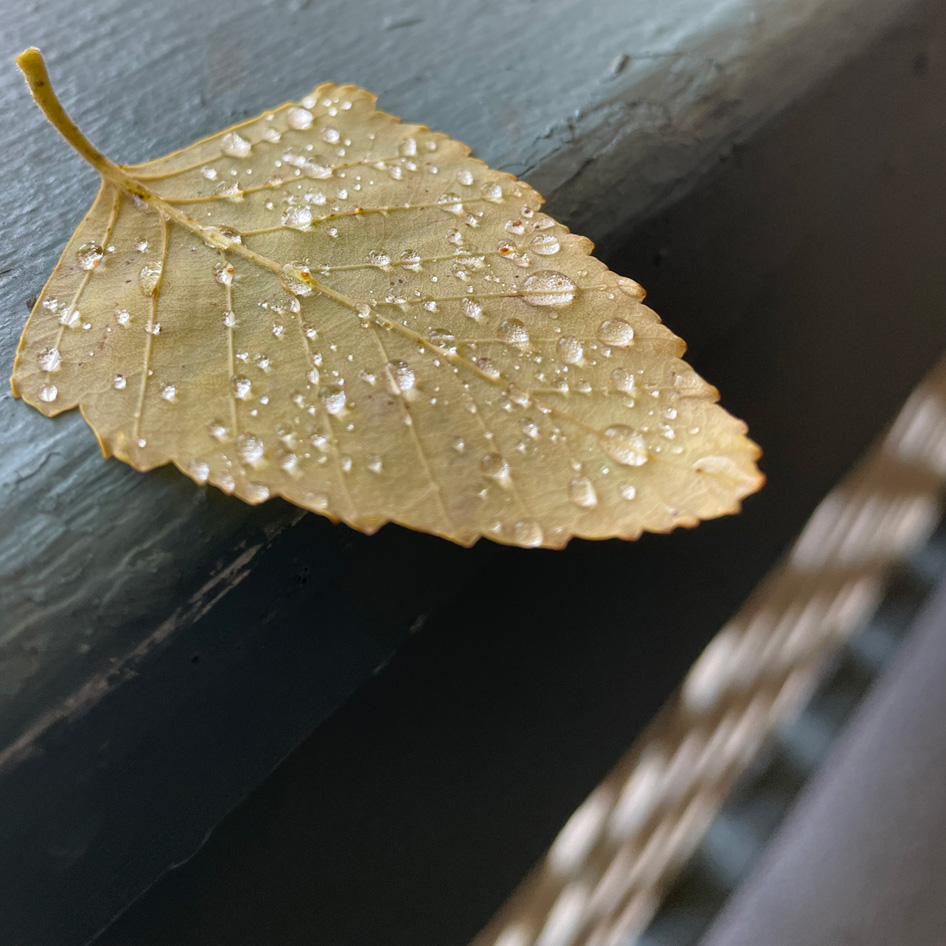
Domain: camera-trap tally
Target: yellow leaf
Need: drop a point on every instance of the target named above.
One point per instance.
(331, 306)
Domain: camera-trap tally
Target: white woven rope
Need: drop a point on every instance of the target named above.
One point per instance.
(602, 880)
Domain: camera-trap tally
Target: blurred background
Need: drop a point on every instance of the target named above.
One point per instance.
(221, 724)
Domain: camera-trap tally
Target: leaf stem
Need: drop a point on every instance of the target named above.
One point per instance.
(33, 67)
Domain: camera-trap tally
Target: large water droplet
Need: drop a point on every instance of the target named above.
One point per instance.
(249, 448)
(513, 331)
(623, 380)
(548, 288)
(465, 177)
(149, 277)
(50, 359)
(528, 533)
(625, 446)
(333, 398)
(48, 393)
(629, 287)
(235, 145)
(378, 258)
(401, 376)
(570, 350)
(496, 468)
(299, 118)
(199, 470)
(492, 191)
(218, 430)
(297, 279)
(329, 135)
(616, 332)
(256, 492)
(545, 244)
(297, 217)
(471, 309)
(223, 273)
(582, 493)
(88, 255)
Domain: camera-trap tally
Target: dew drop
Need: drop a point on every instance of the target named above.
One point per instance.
(465, 177)
(297, 279)
(235, 145)
(570, 350)
(119, 382)
(208, 173)
(50, 359)
(329, 135)
(314, 376)
(444, 339)
(401, 376)
(517, 395)
(625, 445)
(514, 332)
(148, 278)
(249, 448)
(623, 380)
(629, 287)
(256, 492)
(218, 430)
(68, 316)
(471, 309)
(169, 392)
(627, 491)
(492, 191)
(458, 444)
(199, 470)
(298, 217)
(229, 319)
(378, 258)
(316, 167)
(582, 493)
(89, 255)
(408, 147)
(545, 244)
(241, 388)
(616, 332)
(529, 428)
(374, 464)
(496, 468)
(223, 273)
(299, 118)
(549, 288)
(333, 398)
(528, 533)
(48, 393)
(122, 316)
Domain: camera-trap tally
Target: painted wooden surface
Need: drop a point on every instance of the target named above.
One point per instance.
(609, 109)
